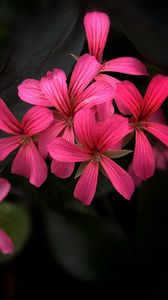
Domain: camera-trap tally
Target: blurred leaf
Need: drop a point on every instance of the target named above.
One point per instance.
(88, 246)
(14, 219)
(45, 42)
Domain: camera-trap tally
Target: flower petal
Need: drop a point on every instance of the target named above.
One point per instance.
(4, 188)
(156, 93)
(97, 26)
(7, 145)
(104, 110)
(6, 244)
(85, 126)
(87, 183)
(97, 93)
(108, 79)
(36, 120)
(64, 151)
(143, 160)
(62, 169)
(111, 131)
(83, 73)
(8, 122)
(119, 178)
(54, 87)
(30, 91)
(48, 136)
(158, 130)
(130, 97)
(29, 163)
(127, 65)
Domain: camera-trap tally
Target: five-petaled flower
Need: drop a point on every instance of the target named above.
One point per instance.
(52, 91)
(28, 161)
(142, 111)
(96, 145)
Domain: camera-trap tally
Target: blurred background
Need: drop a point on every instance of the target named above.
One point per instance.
(114, 245)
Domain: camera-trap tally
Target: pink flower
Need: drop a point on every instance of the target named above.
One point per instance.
(4, 188)
(6, 244)
(28, 161)
(52, 91)
(97, 25)
(97, 143)
(142, 111)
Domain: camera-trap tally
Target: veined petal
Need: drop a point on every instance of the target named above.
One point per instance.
(137, 180)
(30, 91)
(8, 122)
(158, 130)
(87, 183)
(37, 119)
(29, 163)
(4, 188)
(48, 136)
(6, 244)
(54, 87)
(83, 73)
(62, 169)
(108, 79)
(111, 131)
(64, 151)
(130, 97)
(97, 93)
(69, 134)
(9, 144)
(143, 160)
(119, 178)
(97, 26)
(104, 110)
(156, 93)
(127, 65)
(85, 127)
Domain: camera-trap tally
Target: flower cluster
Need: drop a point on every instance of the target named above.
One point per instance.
(76, 121)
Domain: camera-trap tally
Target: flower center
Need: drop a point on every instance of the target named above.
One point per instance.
(96, 156)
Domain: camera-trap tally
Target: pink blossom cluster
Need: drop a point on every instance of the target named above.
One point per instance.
(77, 121)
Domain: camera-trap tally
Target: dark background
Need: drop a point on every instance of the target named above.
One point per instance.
(113, 246)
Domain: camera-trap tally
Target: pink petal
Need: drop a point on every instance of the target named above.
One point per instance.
(29, 163)
(104, 110)
(4, 188)
(97, 93)
(69, 134)
(30, 91)
(128, 65)
(130, 97)
(37, 119)
(119, 178)
(156, 94)
(143, 161)
(6, 244)
(54, 87)
(62, 169)
(160, 158)
(111, 131)
(137, 180)
(48, 136)
(87, 183)
(85, 127)
(7, 145)
(158, 117)
(108, 79)
(8, 122)
(83, 73)
(64, 151)
(97, 26)
(158, 130)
